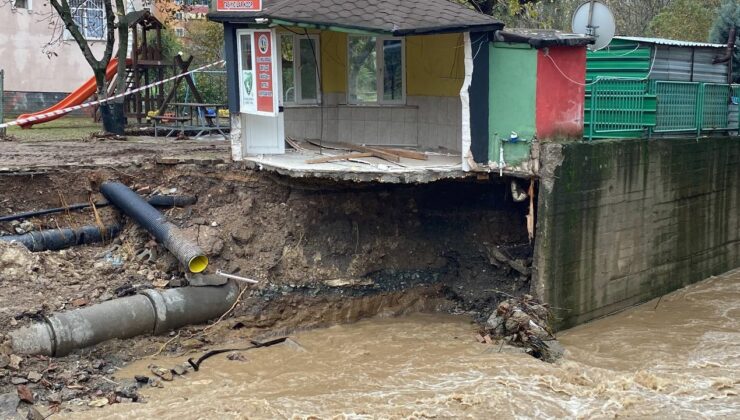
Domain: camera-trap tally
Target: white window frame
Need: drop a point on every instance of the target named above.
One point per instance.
(379, 69)
(297, 70)
(83, 27)
(29, 5)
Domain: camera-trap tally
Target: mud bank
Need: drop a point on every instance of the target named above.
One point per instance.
(324, 254)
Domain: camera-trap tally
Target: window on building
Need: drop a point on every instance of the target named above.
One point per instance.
(376, 70)
(89, 15)
(300, 69)
(22, 4)
(180, 32)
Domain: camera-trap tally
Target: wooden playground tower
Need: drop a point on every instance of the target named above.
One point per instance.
(147, 66)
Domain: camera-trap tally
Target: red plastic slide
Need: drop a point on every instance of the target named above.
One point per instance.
(75, 98)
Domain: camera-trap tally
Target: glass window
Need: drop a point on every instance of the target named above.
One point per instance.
(363, 83)
(376, 70)
(246, 73)
(392, 70)
(89, 15)
(22, 4)
(300, 78)
(309, 69)
(288, 62)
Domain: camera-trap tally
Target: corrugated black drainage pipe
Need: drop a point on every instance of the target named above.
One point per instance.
(55, 239)
(126, 200)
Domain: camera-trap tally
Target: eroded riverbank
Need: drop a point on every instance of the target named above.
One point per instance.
(676, 359)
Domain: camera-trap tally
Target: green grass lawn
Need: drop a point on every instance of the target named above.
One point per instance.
(65, 128)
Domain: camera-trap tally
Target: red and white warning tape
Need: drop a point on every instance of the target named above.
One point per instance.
(93, 103)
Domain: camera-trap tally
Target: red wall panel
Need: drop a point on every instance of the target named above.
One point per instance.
(559, 101)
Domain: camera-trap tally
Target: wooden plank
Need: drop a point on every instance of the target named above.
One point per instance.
(326, 159)
(409, 154)
(376, 152)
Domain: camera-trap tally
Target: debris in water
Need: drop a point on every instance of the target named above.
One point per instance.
(524, 321)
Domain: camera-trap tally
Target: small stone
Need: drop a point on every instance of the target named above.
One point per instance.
(179, 370)
(4, 360)
(35, 414)
(128, 390)
(294, 345)
(15, 362)
(54, 398)
(156, 383)
(214, 224)
(160, 283)
(164, 374)
(17, 380)
(236, 356)
(192, 343)
(142, 379)
(34, 376)
(98, 402)
(80, 302)
(98, 364)
(25, 394)
(125, 400)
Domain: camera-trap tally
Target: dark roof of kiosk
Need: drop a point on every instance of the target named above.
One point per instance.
(396, 17)
(542, 38)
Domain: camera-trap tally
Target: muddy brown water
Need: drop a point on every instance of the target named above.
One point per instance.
(679, 358)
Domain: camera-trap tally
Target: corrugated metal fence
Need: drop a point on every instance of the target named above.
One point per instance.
(638, 108)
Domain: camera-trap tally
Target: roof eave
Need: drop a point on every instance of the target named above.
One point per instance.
(244, 18)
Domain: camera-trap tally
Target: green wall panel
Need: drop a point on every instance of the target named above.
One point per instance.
(512, 98)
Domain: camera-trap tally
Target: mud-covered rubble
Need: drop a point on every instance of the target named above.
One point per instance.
(525, 322)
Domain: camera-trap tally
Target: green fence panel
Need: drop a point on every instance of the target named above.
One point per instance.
(678, 105)
(619, 108)
(715, 110)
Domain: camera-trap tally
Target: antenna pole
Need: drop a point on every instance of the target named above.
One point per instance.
(590, 26)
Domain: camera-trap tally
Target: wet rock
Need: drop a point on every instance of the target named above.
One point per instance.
(517, 320)
(35, 414)
(34, 376)
(555, 351)
(294, 345)
(9, 405)
(236, 357)
(25, 394)
(191, 344)
(128, 390)
(142, 379)
(15, 362)
(164, 374)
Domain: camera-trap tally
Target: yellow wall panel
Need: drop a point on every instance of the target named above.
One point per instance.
(435, 65)
(334, 61)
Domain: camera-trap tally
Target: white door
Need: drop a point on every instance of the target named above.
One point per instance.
(263, 128)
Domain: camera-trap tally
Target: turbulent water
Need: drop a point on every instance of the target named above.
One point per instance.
(674, 358)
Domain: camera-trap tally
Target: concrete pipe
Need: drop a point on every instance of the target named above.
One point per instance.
(152, 312)
(126, 200)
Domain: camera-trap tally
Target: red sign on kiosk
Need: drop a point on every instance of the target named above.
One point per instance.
(264, 71)
(239, 5)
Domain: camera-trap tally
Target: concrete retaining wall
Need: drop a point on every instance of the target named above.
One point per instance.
(622, 222)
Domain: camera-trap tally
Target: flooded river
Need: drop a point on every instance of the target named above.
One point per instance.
(677, 358)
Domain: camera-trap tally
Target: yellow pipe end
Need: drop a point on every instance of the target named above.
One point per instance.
(198, 264)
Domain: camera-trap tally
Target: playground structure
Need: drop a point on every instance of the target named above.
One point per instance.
(146, 68)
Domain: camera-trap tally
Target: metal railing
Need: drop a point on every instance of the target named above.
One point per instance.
(618, 107)
(637, 108)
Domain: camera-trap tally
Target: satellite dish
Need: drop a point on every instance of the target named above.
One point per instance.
(594, 18)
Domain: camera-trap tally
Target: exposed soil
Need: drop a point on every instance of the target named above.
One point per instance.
(324, 254)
